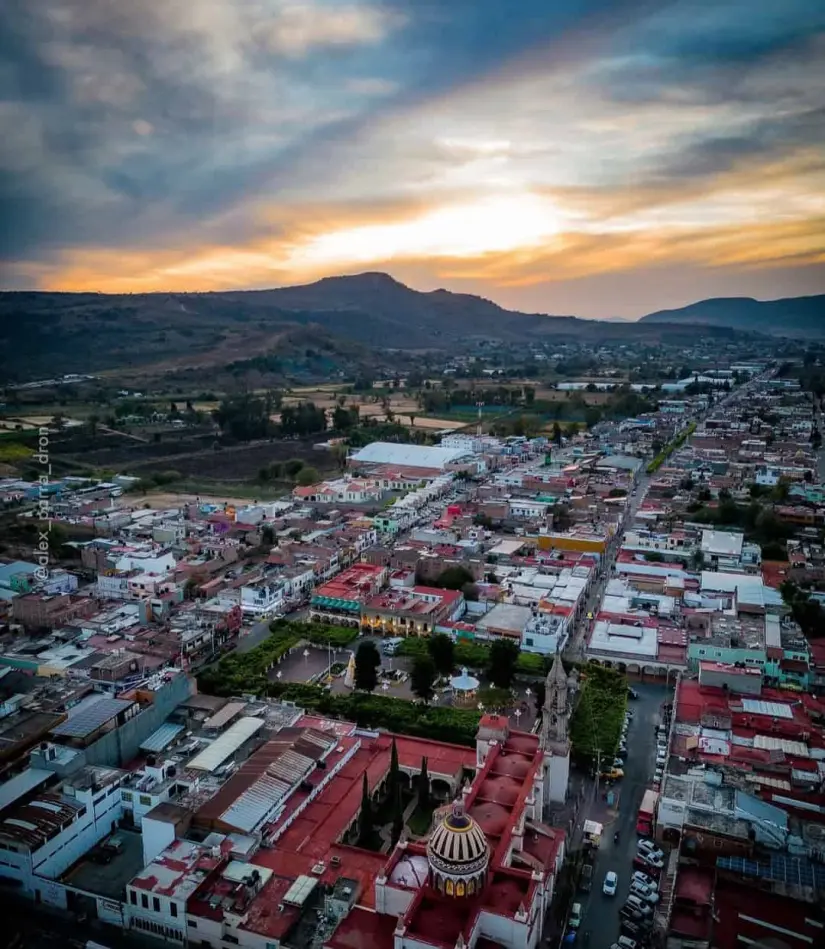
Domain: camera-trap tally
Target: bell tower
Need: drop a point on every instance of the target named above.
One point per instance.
(555, 742)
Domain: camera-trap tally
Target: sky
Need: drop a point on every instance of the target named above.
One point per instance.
(589, 157)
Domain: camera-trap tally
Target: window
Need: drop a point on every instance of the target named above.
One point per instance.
(173, 909)
(133, 897)
(192, 923)
(528, 641)
(155, 904)
(126, 795)
(144, 901)
(145, 799)
(232, 939)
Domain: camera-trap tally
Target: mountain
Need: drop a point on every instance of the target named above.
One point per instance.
(46, 334)
(802, 317)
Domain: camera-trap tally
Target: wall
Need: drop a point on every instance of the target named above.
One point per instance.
(121, 745)
(58, 854)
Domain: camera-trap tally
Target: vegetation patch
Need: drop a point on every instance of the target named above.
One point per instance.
(671, 447)
(596, 725)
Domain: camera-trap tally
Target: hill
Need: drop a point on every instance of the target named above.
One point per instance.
(801, 317)
(45, 334)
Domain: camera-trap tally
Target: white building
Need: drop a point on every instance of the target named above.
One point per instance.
(41, 836)
(264, 596)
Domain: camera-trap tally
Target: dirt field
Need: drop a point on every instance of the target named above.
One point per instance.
(166, 499)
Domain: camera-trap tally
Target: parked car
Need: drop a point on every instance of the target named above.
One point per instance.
(611, 881)
(632, 694)
(644, 892)
(638, 905)
(613, 774)
(638, 929)
(629, 715)
(647, 865)
(618, 762)
(575, 916)
(644, 879)
(648, 848)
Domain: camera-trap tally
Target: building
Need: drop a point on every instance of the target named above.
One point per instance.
(431, 459)
(415, 611)
(342, 599)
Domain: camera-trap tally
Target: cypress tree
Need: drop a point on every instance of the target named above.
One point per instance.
(365, 816)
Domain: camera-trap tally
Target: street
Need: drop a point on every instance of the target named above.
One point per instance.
(601, 913)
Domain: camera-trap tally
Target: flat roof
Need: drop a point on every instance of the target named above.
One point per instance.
(226, 744)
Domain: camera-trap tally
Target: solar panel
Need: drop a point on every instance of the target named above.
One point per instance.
(793, 871)
(90, 719)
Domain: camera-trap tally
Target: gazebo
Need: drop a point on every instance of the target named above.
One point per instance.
(464, 688)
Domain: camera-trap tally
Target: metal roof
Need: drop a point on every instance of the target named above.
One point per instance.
(92, 717)
(21, 784)
(255, 804)
(774, 709)
(300, 890)
(226, 744)
(224, 715)
(161, 738)
(408, 456)
(793, 871)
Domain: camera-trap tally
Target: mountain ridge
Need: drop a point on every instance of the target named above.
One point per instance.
(802, 317)
(42, 332)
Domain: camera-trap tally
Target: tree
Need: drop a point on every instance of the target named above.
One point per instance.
(367, 663)
(502, 663)
(308, 476)
(423, 787)
(365, 815)
(557, 433)
(442, 651)
(422, 677)
(454, 578)
(292, 467)
(268, 534)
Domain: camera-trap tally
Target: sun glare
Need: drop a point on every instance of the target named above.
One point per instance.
(492, 225)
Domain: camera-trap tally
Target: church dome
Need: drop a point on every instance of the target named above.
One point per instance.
(458, 854)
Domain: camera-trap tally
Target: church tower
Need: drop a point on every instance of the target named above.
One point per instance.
(554, 733)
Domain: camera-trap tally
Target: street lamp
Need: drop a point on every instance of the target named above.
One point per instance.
(517, 713)
(306, 657)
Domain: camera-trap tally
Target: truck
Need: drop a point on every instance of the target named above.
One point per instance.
(586, 878)
(647, 813)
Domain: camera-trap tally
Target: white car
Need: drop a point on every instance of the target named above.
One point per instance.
(646, 848)
(638, 905)
(611, 881)
(644, 892)
(644, 879)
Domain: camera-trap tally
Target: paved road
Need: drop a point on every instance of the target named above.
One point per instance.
(576, 647)
(601, 913)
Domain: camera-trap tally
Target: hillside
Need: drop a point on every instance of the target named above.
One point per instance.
(43, 334)
(801, 317)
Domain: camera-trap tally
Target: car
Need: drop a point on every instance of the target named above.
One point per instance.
(638, 905)
(648, 863)
(613, 774)
(646, 893)
(624, 942)
(648, 848)
(632, 694)
(575, 916)
(638, 929)
(611, 881)
(618, 762)
(629, 714)
(644, 879)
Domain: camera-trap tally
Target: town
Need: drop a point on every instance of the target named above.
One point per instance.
(504, 685)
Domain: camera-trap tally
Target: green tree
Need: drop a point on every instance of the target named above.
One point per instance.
(367, 663)
(292, 467)
(365, 816)
(502, 665)
(442, 652)
(454, 578)
(308, 476)
(268, 534)
(422, 677)
(423, 787)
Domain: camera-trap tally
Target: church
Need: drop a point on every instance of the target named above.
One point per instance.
(484, 878)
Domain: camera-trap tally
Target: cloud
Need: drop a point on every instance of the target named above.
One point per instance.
(245, 142)
(295, 29)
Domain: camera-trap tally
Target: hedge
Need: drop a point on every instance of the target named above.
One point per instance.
(458, 726)
(477, 656)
